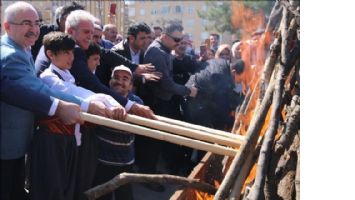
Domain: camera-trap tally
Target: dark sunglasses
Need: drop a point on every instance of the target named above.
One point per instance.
(176, 39)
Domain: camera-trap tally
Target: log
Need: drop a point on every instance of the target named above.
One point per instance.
(188, 132)
(242, 176)
(125, 178)
(269, 137)
(238, 138)
(248, 146)
(159, 135)
(288, 135)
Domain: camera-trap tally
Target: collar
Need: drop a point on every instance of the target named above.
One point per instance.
(165, 48)
(132, 52)
(66, 75)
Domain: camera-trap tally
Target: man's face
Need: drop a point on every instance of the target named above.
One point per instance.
(63, 59)
(97, 36)
(82, 34)
(121, 82)
(24, 28)
(213, 40)
(93, 62)
(139, 42)
(111, 34)
(157, 33)
(172, 40)
(181, 48)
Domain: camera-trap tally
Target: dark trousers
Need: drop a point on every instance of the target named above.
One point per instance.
(13, 179)
(87, 162)
(53, 166)
(105, 173)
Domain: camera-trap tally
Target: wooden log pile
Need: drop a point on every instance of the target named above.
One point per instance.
(277, 167)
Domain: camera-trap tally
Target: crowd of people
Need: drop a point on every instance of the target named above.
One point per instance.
(51, 73)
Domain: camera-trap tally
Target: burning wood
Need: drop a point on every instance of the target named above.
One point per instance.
(268, 112)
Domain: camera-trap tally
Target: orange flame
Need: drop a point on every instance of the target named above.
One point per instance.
(253, 54)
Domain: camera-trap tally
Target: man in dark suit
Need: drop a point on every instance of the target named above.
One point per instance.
(82, 32)
(215, 83)
(158, 94)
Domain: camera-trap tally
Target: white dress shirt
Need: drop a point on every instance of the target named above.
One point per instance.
(135, 56)
(66, 83)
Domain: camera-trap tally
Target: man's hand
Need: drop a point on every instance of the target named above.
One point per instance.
(99, 108)
(154, 76)
(119, 113)
(68, 113)
(144, 68)
(193, 92)
(143, 111)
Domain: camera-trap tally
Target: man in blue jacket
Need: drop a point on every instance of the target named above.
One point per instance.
(21, 23)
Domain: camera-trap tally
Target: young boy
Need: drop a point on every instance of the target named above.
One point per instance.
(116, 148)
(70, 161)
(93, 56)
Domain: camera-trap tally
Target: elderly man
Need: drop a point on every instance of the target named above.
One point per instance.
(97, 38)
(21, 23)
(110, 32)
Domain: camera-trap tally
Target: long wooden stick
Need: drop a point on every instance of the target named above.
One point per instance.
(238, 138)
(160, 135)
(125, 178)
(188, 132)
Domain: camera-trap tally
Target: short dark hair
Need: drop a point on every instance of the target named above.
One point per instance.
(58, 41)
(68, 9)
(157, 28)
(92, 50)
(238, 66)
(215, 35)
(135, 28)
(171, 27)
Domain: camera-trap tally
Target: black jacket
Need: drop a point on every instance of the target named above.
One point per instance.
(122, 48)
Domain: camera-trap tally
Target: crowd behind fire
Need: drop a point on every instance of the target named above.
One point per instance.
(52, 72)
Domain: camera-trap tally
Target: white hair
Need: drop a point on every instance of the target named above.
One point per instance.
(76, 16)
(108, 27)
(12, 11)
(234, 47)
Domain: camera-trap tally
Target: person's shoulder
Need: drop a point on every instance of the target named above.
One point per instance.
(118, 47)
(135, 98)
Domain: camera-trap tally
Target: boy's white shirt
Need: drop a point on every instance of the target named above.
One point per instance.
(68, 86)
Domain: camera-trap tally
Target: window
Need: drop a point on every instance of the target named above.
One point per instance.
(190, 10)
(131, 12)
(154, 11)
(204, 8)
(164, 10)
(142, 11)
(178, 9)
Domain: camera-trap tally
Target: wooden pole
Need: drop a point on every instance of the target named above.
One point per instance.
(125, 178)
(188, 132)
(238, 138)
(159, 135)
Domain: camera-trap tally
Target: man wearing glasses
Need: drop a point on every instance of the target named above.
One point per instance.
(158, 94)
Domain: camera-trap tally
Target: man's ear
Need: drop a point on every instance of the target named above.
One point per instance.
(6, 26)
(70, 30)
(50, 54)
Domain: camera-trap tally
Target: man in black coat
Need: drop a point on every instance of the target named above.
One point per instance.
(213, 104)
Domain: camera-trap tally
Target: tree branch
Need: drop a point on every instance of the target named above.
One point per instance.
(125, 178)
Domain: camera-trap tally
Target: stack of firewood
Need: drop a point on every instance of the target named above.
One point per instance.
(276, 154)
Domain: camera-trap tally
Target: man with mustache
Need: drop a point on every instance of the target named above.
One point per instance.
(21, 23)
